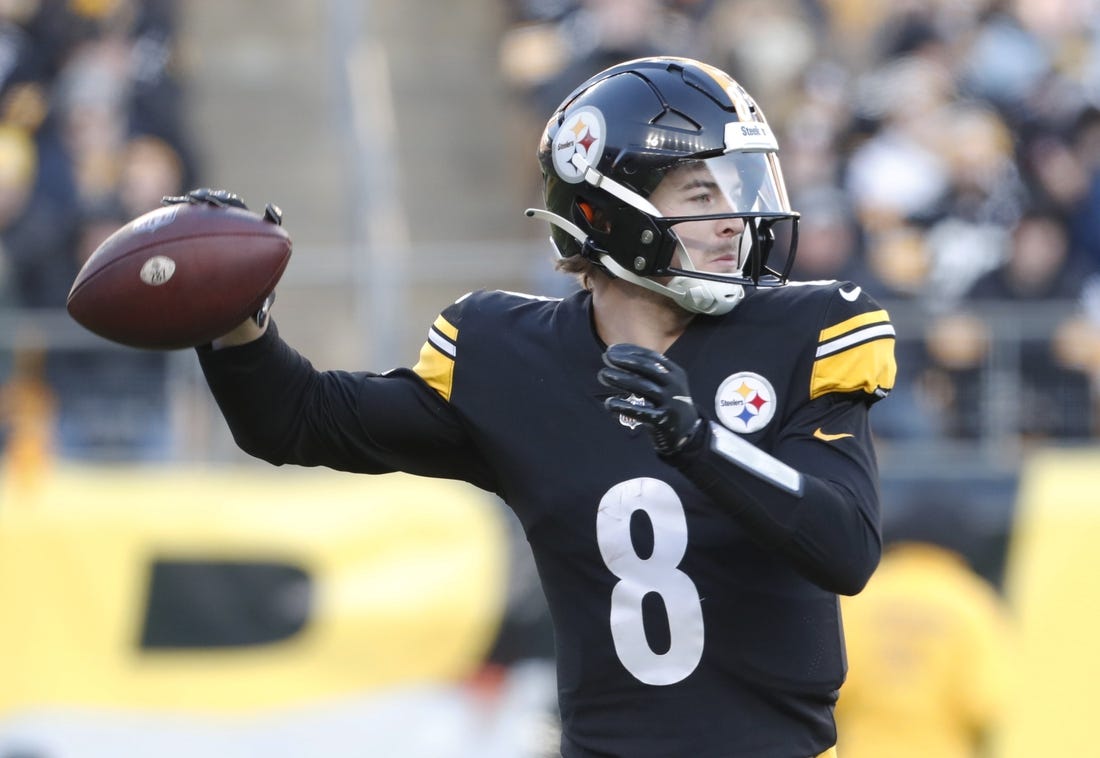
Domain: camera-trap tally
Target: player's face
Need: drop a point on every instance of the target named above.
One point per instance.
(712, 244)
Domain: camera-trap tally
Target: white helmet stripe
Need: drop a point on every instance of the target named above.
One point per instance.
(612, 187)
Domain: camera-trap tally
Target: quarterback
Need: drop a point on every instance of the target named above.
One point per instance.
(685, 440)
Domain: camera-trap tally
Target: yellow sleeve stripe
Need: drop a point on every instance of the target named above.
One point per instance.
(868, 367)
(448, 329)
(871, 317)
(436, 365)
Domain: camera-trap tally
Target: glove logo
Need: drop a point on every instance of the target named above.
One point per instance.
(582, 133)
(626, 421)
(745, 402)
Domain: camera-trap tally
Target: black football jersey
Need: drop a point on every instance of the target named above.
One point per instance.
(678, 631)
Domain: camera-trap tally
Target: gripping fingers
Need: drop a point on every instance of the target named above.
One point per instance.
(218, 198)
(645, 413)
(667, 408)
(274, 214)
(637, 360)
(627, 381)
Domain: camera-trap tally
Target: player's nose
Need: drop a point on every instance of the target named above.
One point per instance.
(729, 227)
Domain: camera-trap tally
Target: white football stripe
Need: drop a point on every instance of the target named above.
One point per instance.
(852, 338)
(441, 343)
(748, 456)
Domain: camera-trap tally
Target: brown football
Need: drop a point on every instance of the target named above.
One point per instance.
(179, 276)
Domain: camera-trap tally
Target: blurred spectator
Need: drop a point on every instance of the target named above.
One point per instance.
(1004, 379)
(28, 417)
(900, 172)
(34, 229)
(91, 136)
(953, 379)
(815, 128)
(86, 93)
(150, 168)
(828, 241)
(552, 45)
(898, 262)
(92, 94)
(929, 644)
(114, 404)
(1038, 265)
(1039, 269)
(1075, 346)
(985, 196)
(1004, 62)
(1083, 223)
(773, 58)
(1066, 184)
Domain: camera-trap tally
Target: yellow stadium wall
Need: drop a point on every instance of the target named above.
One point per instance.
(1053, 585)
(407, 579)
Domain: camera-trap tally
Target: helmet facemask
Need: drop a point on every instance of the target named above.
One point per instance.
(724, 210)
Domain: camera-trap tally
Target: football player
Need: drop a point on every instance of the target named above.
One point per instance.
(685, 440)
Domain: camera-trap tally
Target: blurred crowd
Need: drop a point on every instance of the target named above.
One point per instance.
(91, 136)
(945, 154)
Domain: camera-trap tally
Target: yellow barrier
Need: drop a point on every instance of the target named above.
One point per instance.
(405, 584)
(1052, 584)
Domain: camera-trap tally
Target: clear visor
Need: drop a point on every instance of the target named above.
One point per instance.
(734, 183)
(731, 218)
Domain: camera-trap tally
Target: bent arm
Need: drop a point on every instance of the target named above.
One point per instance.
(815, 501)
(281, 409)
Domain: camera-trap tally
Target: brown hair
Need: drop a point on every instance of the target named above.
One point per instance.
(585, 269)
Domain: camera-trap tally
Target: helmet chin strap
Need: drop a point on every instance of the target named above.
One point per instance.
(694, 295)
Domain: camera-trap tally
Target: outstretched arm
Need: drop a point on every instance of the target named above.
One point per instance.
(281, 409)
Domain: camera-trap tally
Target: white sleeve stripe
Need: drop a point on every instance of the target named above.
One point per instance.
(440, 342)
(749, 457)
(866, 334)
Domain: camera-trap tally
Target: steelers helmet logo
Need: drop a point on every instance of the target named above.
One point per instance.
(582, 134)
(745, 402)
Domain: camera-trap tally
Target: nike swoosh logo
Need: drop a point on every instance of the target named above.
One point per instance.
(851, 295)
(824, 437)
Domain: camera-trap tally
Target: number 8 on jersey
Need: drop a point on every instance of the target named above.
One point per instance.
(659, 573)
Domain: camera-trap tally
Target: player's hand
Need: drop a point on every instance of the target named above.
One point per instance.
(668, 411)
(220, 198)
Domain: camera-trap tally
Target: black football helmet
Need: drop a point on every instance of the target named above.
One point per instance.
(613, 140)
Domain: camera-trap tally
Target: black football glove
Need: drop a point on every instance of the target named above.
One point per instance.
(220, 198)
(668, 411)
